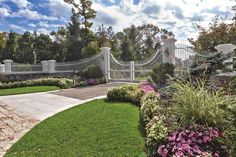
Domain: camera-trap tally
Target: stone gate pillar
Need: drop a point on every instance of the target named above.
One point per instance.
(106, 68)
(8, 65)
(2, 68)
(44, 66)
(51, 66)
(227, 48)
(168, 51)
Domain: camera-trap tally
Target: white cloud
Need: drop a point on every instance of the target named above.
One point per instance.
(32, 25)
(16, 27)
(177, 16)
(4, 12)
(21, 3)
(43, 30)
(58, 8)
(32, 15)
(44, 24)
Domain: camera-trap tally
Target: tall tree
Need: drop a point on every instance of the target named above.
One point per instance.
(127, 50)
(58, 47)
(25, 51)
(81, 20)
(10, 49)
(42, 46)
(144, 39)
(217, 33)
(3, 38)
(74, 39)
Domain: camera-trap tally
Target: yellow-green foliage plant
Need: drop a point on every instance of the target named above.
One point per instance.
(195, 104)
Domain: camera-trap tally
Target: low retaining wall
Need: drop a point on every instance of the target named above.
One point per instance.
(10, 77)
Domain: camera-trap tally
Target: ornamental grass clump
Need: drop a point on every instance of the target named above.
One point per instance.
(198, 105)
(196, 140)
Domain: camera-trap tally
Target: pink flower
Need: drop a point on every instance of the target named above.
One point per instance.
(162, 151)
(206, 139)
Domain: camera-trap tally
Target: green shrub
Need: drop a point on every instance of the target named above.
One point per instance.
(198, 105)
(159, 73)
(93, 71)
(150, 104)
(126, 93)
(59, 82)
(156, 132)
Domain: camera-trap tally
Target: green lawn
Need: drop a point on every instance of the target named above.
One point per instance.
(24, 90)
(95, 129)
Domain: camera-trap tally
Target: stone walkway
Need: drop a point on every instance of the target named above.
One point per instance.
(13, 125)
(23, 112)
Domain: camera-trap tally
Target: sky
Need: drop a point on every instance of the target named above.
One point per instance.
(177, 16)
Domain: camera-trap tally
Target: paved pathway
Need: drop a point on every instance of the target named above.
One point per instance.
(13, 125)
(19, 113)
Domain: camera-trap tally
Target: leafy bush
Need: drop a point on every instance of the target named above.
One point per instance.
(150, 104)
(197, 105)
(156, 132)
(159, 73)
(127, 93)
(194, 141)
(59, 82)
(92, 72)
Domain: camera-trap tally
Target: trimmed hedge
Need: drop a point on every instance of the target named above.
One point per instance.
(59, 82)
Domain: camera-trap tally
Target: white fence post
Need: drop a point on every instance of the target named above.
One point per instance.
(44, 66)
(132, 72)
(168, 52)
(51, 66)
(106, 54)
(2, 68)
(227, 48)
(8, 65)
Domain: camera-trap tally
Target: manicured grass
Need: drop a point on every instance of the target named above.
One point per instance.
(24, 90)
(95, 129)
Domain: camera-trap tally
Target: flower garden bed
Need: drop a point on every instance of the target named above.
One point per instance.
(183, 120)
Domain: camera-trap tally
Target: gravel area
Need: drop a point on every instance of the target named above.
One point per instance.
(87, 92)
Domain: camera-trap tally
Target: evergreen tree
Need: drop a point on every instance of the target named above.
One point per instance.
(74, 39)
(42, 46)
(10, 49)
(80, 37)
(3, 37)
(25, 51)
(127, 50)
(58, 47)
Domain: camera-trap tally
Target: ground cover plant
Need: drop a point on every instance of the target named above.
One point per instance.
(97, 128)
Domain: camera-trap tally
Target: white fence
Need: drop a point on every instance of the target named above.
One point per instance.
(114, 70)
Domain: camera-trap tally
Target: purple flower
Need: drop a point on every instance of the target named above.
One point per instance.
(192, 141)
